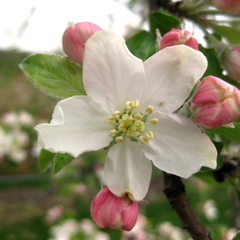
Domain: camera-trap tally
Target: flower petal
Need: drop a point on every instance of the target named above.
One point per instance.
(178, 146)
(112, 75)
(78, 125)
(127, 170)
(171, 74)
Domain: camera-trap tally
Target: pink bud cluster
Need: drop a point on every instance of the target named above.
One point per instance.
(230, 6)
(108, 210)
(75, 38)
(231, 62)
(215, 103)
(178, 37)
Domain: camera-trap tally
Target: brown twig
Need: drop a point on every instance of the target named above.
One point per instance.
(176, 195)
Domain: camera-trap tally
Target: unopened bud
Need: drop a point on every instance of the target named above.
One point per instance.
(178, 37)
(215, 103)
(108, 210)
(231, 62)
(230, 6)
(75, 38)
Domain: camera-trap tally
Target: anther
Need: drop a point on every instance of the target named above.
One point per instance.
(119, 139)
(113, 132)
(125, 116)
(117, 112)
(144, 140)
(138, 116)
(128, 105)
(135, 103)
(149, 135)
(149, 109)
(154, 120)
(130, 118)
(130, 133)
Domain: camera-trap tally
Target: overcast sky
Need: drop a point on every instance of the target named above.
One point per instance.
(38, 25)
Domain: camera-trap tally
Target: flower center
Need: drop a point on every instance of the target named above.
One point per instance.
(131, 123)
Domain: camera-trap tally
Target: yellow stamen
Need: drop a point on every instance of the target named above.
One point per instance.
(144, 140)
(131, 124)
(125, 116)
(119, 139)
(113, 132)
(117, 112)
(154, 121)
(149, 135)
(138, 116)
(149, 109)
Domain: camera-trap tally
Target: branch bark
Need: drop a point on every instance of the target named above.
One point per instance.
(176, 195)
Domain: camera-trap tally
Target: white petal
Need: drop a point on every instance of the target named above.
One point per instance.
(171, 74)
(112, 75)
(178, 146)
(127, 170)
(78, 125)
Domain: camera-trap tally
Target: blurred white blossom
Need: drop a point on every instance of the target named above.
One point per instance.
(23, 118)
(69, 228)
(54, 213)
(229, 234)
(14, 138)
(170, 232)
(210, 210)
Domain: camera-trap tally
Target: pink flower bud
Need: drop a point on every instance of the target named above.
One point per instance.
(215, 103)
(230, 6)
(75, 38)
(178, 37)
(231, 62)
(108, 210)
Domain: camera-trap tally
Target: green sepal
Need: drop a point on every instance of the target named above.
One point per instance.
(61, 160)
(45, 160)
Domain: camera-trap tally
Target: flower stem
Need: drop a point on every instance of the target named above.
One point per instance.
(176, 195)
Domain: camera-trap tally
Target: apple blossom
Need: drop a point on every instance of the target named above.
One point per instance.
(230, 6)
(108, 210)
(231, 61)
(215, 103)
(178, 37)
(129, 108)
(75, 38)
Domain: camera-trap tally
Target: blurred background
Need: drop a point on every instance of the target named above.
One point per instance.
(40, 206)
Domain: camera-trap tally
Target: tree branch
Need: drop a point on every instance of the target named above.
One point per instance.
(176, 195)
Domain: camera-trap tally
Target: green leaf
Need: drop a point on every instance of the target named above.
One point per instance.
(213, 63)
(231, 133)
(142, 45)
(162, 21)
(231, 34)
(219, 147)
(61, 160)
(237, 237)
(55, 75)
(45, 160)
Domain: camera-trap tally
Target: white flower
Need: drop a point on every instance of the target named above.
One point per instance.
(166, 229)
(130, 104)
(210, 209)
